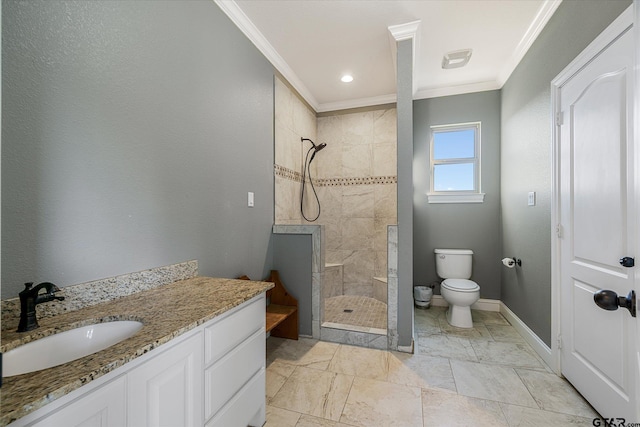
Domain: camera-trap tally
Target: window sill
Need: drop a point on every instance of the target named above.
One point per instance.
(456, 198)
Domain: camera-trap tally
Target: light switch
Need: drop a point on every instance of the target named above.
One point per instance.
(532, 198)
(250, 202)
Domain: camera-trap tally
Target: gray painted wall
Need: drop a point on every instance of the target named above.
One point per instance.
(292, 259)
(474, 226)
(526, 155)
(131, 134)
(405, 192)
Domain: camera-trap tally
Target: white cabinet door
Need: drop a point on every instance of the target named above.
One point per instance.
(102, 407)
(167, 389)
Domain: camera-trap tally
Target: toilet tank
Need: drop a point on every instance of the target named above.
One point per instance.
(453, 263)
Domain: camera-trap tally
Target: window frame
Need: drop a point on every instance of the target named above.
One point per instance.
(456, 196)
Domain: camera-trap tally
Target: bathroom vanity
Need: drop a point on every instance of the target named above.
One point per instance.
(198, 360)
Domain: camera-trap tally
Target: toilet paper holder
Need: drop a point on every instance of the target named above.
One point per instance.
(512, 262)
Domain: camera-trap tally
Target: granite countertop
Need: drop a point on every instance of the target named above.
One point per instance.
(166, 312)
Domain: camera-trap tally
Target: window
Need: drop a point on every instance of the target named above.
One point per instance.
(455, 164)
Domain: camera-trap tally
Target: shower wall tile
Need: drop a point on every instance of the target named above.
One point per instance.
(357, 161)
(318, 240)
(357, 233)
(386, 201)
(334, 256)
(379, 289)
(380, 230)
(333, 233)
(310, 203)
(392, 287)
(280, 153)
(358, 128)
(283, 200)
(316, 305)
(283, 110)
(333, 282)
(289, 222)
(288, 148)
(392, 251)
(287, 200)
(358, 201)
(385, 160)
(392, 312)
(293, 120)
(385, 126)
(331, 198)
(359, 267)
(380, 264)
(330, 130)
(329, 162)
(304, 121)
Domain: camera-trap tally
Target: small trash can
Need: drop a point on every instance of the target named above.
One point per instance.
(422, 296)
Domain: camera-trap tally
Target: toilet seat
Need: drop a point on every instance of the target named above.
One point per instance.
(460, 285)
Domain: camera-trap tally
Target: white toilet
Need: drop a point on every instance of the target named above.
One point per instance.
(454, 265)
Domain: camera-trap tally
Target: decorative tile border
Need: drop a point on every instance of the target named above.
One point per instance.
(369, 180)
(99, 291)
(292, 175)
(287, 173)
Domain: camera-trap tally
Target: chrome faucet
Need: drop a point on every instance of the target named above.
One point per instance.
(29, 298)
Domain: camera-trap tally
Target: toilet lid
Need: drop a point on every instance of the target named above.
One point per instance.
(460, 285)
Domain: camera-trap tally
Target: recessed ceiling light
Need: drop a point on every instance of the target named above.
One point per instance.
(347, 78)
(456, 59)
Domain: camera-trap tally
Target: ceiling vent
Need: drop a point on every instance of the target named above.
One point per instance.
(456, 59)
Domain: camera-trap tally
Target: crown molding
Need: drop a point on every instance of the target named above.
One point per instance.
(457, 89)
(242, 21)
(545, 13)
(402, 32)
(357, 103)
(405, 31)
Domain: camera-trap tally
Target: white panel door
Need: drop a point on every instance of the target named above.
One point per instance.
(166, 391)
(598, 217)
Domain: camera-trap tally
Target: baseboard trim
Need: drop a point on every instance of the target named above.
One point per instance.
(482, 304)
(529, 336)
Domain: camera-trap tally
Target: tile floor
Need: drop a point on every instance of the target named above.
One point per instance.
(485, 376)
(362, 312)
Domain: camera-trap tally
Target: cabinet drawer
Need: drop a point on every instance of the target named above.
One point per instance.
(229, 374)
(227, 333)
(247, 408)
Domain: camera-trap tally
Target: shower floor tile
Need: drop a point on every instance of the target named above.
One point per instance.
(357, 311)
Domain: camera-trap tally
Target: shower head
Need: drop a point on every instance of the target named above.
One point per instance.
(315, 147)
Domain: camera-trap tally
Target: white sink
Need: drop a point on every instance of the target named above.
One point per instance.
(66, 346)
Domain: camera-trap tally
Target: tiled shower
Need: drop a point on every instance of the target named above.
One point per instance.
(356, 181)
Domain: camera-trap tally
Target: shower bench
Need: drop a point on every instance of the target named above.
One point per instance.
(282, 309)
